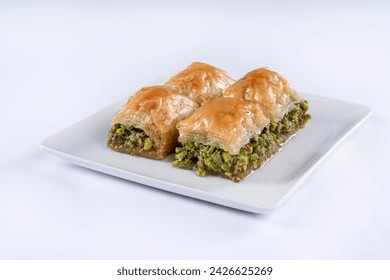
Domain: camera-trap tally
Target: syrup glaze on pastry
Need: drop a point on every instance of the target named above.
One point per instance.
(267, 88)
(200, 82)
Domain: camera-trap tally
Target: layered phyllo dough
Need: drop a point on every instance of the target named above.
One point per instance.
(146, 124)
(266, 88)
(220, 138)
(236, 134)
(200, 82)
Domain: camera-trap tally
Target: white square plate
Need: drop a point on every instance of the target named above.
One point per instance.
(84, 144)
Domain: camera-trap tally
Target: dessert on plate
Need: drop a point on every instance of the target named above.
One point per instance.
(236, 134)
(146, 124)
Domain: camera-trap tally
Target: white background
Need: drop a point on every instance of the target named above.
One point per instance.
(62, 61)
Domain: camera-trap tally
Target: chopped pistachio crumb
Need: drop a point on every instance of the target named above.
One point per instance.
(129, 137)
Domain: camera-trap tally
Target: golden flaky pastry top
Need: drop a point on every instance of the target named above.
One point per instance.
(156, 110)
(200, 82)
(267, 88)
(226, 123)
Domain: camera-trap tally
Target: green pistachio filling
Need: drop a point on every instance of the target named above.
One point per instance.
(206, 159)
(128, 138)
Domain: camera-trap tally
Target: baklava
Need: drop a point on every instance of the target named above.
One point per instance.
(286, 110)
(146, 124)
(200, 82)
(222, 138)
(236, 134)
